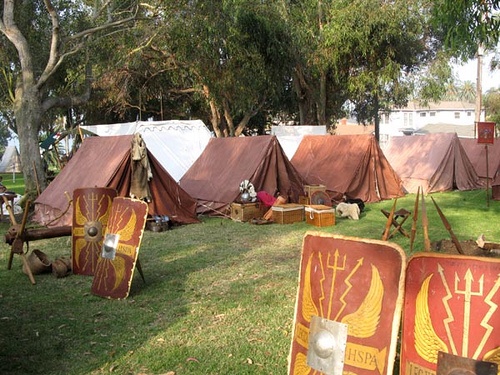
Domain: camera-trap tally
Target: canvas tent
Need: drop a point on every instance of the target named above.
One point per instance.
(11, 162)
(353, 165)
(436, 162)
(495, 188)
(214, 179)
(175, 143)
(106, 162)
(290, 137)
(476, 152)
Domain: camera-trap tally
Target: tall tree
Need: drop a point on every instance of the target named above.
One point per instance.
(466, 25)
(467, 91)
(469, 28)
(367, 36)
(239, 56)
(50, 41)
(320, 88)
(225, 61)
(492, 107)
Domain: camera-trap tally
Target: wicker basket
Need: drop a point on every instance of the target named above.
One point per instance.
(288, 213)
(304, 200)
(310, 189)
(320, 215)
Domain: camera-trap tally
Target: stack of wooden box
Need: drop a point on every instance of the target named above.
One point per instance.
(309, 191)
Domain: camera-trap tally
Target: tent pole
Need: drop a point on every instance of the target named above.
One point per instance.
(487, 178)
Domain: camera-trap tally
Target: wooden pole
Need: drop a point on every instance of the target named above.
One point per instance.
(487, 178)
(414, 223)
(425, 225)
(9, 210)
(448, 227)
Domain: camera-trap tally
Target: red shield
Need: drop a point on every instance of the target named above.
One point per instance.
(91, 207)
(451, 306)
(357, 282)
(113, 274)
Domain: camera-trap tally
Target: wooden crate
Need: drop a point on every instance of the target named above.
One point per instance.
(304, 200)
(288, 213)
(320, 215)
(310, 189)
(246, 211)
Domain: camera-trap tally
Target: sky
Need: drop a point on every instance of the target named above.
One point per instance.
(468, 72)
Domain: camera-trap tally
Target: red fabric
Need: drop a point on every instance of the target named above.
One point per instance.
(266, 198)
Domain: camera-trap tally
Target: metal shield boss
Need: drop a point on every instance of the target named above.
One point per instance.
(327, 342)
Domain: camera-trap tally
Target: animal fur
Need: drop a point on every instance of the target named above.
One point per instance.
(141, 170)
(349, 210)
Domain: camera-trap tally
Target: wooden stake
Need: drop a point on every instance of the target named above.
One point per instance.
(414, 223)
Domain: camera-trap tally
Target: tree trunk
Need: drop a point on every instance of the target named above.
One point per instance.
(305, 99)
(214, 113)
(377, 119)
(28, 113)
(321, 106)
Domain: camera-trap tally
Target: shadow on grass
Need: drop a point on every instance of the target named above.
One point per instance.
(58, 327)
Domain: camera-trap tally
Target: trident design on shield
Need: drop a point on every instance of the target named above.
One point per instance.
(459, 300)
(362, 322)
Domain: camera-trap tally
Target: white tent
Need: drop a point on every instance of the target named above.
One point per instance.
(11, 162)
(290, 136)
(175, 143)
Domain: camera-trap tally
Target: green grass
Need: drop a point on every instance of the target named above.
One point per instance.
(218, 299)
(13, 182)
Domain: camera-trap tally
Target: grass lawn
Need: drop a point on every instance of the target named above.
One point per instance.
(218, 299)
(13, 182)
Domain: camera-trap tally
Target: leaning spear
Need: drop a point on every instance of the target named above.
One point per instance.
(425, 225)
(448, 228)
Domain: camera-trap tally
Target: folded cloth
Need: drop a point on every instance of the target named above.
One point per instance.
(266, 198)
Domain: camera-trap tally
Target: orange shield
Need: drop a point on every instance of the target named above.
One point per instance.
(451, 306)
(353, 281)
(91, 208)
(115, 266)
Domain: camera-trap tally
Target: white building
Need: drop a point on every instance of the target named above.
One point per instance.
(445, 116)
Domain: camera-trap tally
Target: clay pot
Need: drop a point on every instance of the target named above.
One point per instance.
(38, 263)
(60, 268)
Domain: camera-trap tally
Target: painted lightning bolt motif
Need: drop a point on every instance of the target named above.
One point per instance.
(335, 267)
(321, 281)
(347, 281)
(450, 319)
(487, 317)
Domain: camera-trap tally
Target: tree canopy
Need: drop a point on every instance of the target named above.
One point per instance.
(49, 60)
(238, 65)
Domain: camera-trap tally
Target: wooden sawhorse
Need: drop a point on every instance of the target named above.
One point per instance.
(398, 219)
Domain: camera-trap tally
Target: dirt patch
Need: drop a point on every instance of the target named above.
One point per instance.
(469, 247)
